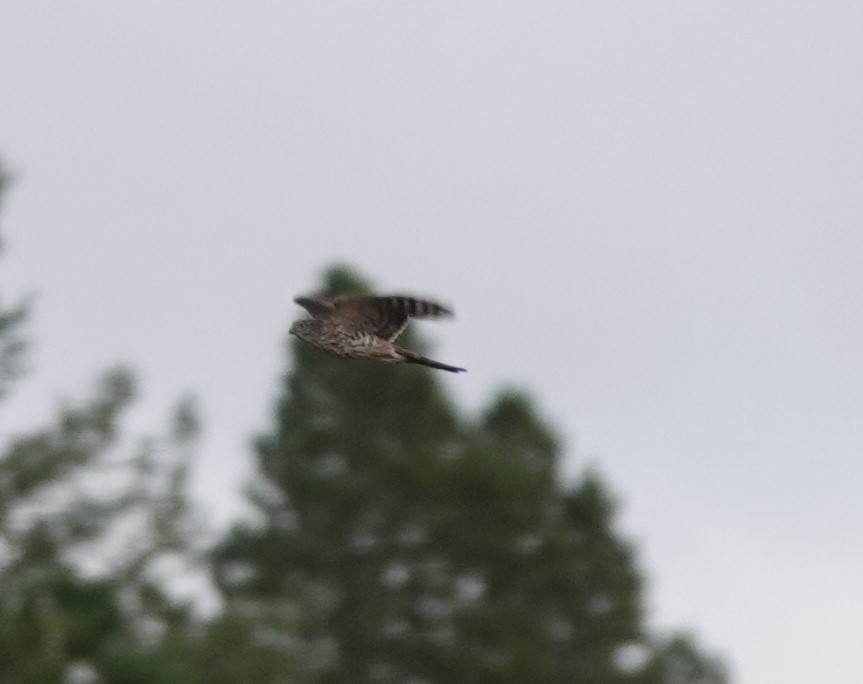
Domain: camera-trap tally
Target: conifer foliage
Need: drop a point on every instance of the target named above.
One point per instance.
(399, 541)
(85, 519)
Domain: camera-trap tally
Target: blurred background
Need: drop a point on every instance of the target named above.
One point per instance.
(647, 218)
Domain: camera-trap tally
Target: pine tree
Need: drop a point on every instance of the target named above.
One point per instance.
(84, 520)
(398, 541)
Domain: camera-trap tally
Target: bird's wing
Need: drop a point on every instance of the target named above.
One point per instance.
(388, 316)
(320, 306)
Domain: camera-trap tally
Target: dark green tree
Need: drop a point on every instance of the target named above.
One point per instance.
(86, 519)
(82, 531)
(398, 541)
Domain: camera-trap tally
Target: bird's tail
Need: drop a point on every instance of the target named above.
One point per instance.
(411, 357)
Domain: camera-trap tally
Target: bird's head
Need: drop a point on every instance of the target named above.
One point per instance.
(303, 328)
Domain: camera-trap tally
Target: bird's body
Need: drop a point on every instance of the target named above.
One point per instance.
(366, 327)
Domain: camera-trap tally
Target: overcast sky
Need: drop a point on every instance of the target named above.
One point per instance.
(647, 214)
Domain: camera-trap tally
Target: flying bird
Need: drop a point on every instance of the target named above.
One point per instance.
(365, 326)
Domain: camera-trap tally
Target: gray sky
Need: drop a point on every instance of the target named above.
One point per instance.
(648, 214)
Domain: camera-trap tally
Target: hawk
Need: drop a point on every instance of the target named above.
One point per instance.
(365, 326)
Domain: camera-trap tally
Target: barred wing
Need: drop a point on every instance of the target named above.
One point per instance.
(388, 316)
